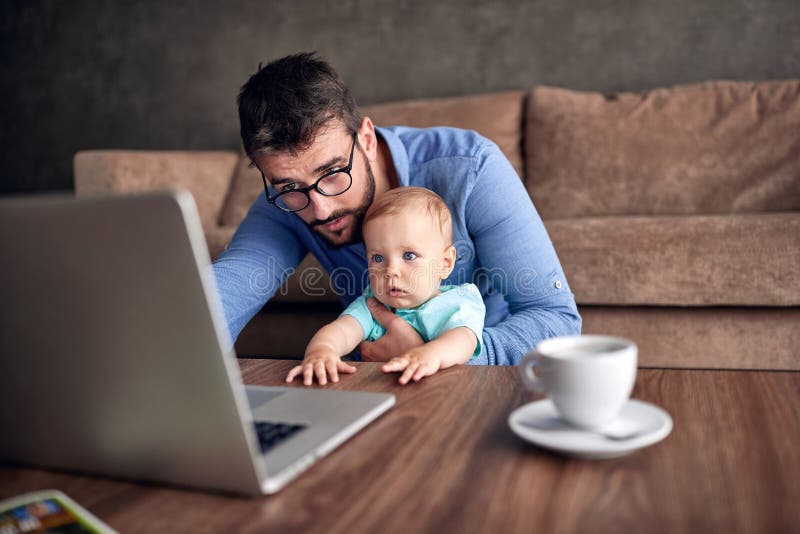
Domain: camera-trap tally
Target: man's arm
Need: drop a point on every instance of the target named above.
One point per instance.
(513, 247)
(263, 253)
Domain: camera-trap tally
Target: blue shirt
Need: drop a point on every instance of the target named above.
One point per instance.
(502, 245)
(455, 306)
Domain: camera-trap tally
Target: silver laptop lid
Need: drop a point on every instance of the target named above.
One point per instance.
(95, 358)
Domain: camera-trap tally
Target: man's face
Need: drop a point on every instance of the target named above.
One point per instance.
(336, 219)
(407, 258)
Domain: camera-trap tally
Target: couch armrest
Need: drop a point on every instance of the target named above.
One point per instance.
(207, 175)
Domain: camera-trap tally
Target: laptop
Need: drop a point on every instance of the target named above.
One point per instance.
(116, 359)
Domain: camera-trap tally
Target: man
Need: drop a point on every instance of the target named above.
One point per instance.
(323, 164)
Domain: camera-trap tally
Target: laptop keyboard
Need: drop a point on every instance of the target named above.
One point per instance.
(271, 434)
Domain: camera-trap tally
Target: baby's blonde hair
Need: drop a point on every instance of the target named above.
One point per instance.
(400, 199)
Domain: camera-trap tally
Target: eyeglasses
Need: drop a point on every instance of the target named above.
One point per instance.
(330, 184)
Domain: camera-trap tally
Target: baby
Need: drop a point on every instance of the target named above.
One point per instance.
(408, 236)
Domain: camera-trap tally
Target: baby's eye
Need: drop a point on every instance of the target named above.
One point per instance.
(409, 256)
(377, 258)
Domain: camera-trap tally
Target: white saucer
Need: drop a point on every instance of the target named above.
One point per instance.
(539, 423)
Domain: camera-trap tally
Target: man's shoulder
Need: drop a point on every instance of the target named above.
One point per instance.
(426, 144)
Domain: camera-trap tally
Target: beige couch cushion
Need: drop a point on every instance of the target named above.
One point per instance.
(218, 239)
(497, 116)
(750, 260)
(207, 175)
(715, 147)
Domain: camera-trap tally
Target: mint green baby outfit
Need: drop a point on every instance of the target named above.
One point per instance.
(459, 305)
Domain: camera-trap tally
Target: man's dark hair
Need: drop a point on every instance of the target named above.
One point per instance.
(283, 106)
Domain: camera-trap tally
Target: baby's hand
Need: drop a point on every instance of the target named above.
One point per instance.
(320, 363)
(416, 363)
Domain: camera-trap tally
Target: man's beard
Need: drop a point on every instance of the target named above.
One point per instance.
(358, 213)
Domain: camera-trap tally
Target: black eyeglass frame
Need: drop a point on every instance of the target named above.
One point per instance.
(307, 190)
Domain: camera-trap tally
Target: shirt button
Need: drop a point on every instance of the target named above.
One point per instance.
(558, 284)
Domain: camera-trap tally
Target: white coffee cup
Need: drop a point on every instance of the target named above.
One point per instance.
(589, 378)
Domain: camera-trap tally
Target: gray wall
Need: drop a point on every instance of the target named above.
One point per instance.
(164, 75)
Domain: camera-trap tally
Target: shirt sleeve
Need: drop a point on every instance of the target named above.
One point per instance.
(511, 241)
(465, 308)
(264, 251)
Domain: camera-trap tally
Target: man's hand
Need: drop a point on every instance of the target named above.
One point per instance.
(415, 364)
(320, 363)
(400, 336)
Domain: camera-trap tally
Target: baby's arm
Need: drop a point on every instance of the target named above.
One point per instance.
(452, 347)
(324, 351)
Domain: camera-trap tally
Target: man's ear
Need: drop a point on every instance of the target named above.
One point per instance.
(368, 139)
(448, 261)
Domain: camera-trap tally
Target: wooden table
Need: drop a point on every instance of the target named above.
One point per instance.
(444, 460)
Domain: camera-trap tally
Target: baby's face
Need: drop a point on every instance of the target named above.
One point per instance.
(407, 258)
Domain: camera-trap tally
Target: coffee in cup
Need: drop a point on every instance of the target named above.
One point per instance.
(589, 378)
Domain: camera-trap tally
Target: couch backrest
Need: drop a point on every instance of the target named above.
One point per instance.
(715, 147)
(497, 116)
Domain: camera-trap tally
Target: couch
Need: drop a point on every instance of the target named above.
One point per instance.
(675, 212)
